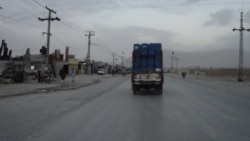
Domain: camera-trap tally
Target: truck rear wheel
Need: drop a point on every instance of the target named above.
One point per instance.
(159, 89)
(135, 89)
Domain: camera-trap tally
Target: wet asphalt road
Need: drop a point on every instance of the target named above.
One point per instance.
(188, 110)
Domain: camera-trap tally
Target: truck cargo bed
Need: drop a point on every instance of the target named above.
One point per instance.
(147, 69)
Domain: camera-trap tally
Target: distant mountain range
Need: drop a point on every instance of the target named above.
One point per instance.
(222, 58)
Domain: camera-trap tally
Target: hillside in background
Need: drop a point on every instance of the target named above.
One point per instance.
(223, 58)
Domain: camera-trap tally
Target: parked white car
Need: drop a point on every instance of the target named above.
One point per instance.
(101, 71)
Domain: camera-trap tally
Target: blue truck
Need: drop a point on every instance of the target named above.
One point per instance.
(147, 67)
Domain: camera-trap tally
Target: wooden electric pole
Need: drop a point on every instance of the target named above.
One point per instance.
(49, 19)
(89, 34)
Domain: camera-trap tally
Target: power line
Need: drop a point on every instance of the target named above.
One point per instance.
(61, 17)
(60, 41)
(103, 47)
(17, 17)
(71, 27)
(18, 21)
(26, 10)
(65, 21)
(39, 4)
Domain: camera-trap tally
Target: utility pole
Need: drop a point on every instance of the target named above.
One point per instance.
(122, 59)
(113, 61)
(49, 19)
(89, 34)
(176, 60)
(172, 61)
(241, 29)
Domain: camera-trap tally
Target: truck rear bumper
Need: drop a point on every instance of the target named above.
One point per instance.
(147, 86)
(147, 82)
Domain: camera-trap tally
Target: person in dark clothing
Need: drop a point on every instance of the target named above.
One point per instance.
(62, 74)
(184, 74)
(39, 76)
(47, 76)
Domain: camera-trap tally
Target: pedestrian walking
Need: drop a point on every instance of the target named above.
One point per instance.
(183, 74)
(39, 76)
(73, 74)
(47, 76)
(123, 72)
(62, 74)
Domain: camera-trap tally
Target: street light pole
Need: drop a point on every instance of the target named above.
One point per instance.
(113, 61)
(176, 60)
(122, 59)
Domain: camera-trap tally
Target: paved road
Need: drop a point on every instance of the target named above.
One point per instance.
(188, 110)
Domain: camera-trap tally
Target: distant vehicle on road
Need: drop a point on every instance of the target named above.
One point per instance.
(101, 72)
(147, 68)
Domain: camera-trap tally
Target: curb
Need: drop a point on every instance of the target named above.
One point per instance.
(61, 87)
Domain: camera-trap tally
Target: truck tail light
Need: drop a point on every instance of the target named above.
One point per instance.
(134, 76)
(158, 76)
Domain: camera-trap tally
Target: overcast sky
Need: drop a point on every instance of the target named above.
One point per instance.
(180, 25)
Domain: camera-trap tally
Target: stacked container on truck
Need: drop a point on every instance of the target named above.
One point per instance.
(147, 69)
